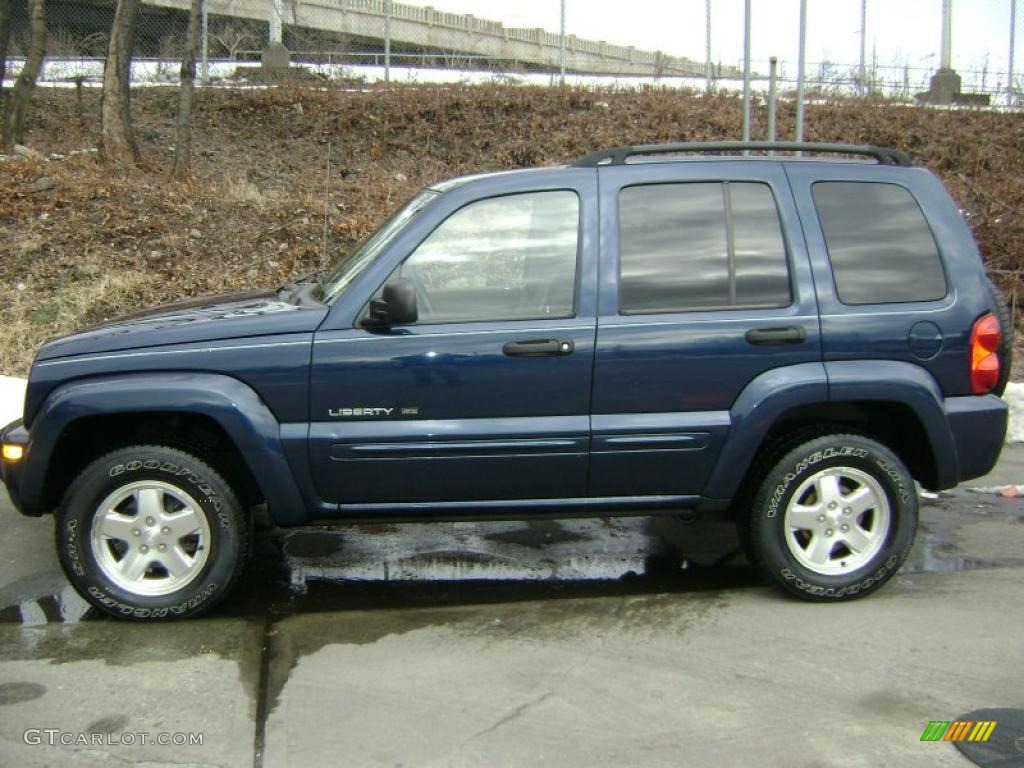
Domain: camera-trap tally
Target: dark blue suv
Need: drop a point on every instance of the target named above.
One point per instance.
(732, 329)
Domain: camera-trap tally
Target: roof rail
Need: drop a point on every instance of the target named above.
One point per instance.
(619, 155)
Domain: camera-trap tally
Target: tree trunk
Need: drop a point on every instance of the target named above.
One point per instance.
(116, 135)
(5, 37)
(21, 95)
(183, 128)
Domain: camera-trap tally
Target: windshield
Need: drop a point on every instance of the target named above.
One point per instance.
(346, 270)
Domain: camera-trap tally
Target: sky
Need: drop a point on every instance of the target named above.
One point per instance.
(899, 32)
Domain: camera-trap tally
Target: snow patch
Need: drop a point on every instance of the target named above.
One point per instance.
(12, 398)
(1014, 397)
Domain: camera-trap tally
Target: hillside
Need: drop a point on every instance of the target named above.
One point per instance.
(79, 244)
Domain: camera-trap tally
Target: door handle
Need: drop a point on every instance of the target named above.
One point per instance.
(773, 336)
(539, 348)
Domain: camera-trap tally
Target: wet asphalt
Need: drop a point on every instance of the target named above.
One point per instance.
(618, 642)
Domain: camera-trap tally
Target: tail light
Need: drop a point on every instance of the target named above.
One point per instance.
(985, 339)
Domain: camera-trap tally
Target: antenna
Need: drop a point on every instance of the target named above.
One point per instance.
(327, 202)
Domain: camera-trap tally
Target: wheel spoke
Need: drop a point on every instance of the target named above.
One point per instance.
(820, 549)
(804, 517)
(133, 565)
(149, 502)
(827, 487)
(183, 523)
(857, 539)
(114, 525)
(860, 501)
(176, 561)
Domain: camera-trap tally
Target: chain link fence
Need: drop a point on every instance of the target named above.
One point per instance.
(372, 40)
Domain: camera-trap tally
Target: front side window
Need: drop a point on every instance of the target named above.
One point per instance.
(504, 258)
(878, 242)
(700, 246)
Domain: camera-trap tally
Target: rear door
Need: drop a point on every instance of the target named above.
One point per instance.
(889, 249)
(486, 397)
(705, 284)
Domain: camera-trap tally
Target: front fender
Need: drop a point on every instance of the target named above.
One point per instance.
(245, 418)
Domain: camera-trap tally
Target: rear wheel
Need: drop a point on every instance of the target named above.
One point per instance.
(151, 532)
(833, 519)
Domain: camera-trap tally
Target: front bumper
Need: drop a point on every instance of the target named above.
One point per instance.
(978, 427)
(11, 471)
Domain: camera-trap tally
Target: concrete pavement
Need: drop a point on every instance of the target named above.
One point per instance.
(646, 664)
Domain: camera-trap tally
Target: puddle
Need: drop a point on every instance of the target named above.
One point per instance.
(43, 599)
(556, 550)
(944, 522)
(363, 567)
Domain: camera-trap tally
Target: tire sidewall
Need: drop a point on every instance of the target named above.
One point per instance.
(213, 498)
(785, 479)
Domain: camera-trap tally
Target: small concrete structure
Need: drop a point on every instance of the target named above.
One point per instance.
(944, 87)
(275, 58)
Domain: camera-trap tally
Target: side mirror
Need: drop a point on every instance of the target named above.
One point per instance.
(396, 305)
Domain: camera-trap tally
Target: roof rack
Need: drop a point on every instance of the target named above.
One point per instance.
(619, 155)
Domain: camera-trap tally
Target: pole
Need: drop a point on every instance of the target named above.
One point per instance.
(205, 42)
(387, 41)
(1013, 33)
(561, 48)
(773, 64)
(801, 66)
(746, 70)
(946, 59)
(276, 12)
(707, 54)
(863, 45)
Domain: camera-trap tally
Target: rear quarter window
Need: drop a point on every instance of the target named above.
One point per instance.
(879, 243)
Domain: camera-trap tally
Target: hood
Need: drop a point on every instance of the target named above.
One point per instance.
(206, 318)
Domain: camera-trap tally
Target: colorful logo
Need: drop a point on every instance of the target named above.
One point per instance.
(958, 730)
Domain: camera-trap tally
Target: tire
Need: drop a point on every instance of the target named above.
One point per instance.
(151, 532)
(859, 536)
(1002, 312)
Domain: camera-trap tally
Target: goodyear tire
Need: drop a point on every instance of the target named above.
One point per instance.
(833, 518)
(151, 532)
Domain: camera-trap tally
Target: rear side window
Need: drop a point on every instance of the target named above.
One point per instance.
(700, 246)
(879, 243)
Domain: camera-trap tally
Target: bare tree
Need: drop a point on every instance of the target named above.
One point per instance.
(5, 36)
(116, 135)
(183, 128)
(21, 96)
(233, 39)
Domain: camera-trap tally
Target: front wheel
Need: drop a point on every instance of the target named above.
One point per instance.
(151, 532)
(834, 518)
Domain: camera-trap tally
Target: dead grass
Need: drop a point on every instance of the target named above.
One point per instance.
(96, 244)
(29, 321)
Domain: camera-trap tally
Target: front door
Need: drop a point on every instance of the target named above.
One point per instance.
(486, 397)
